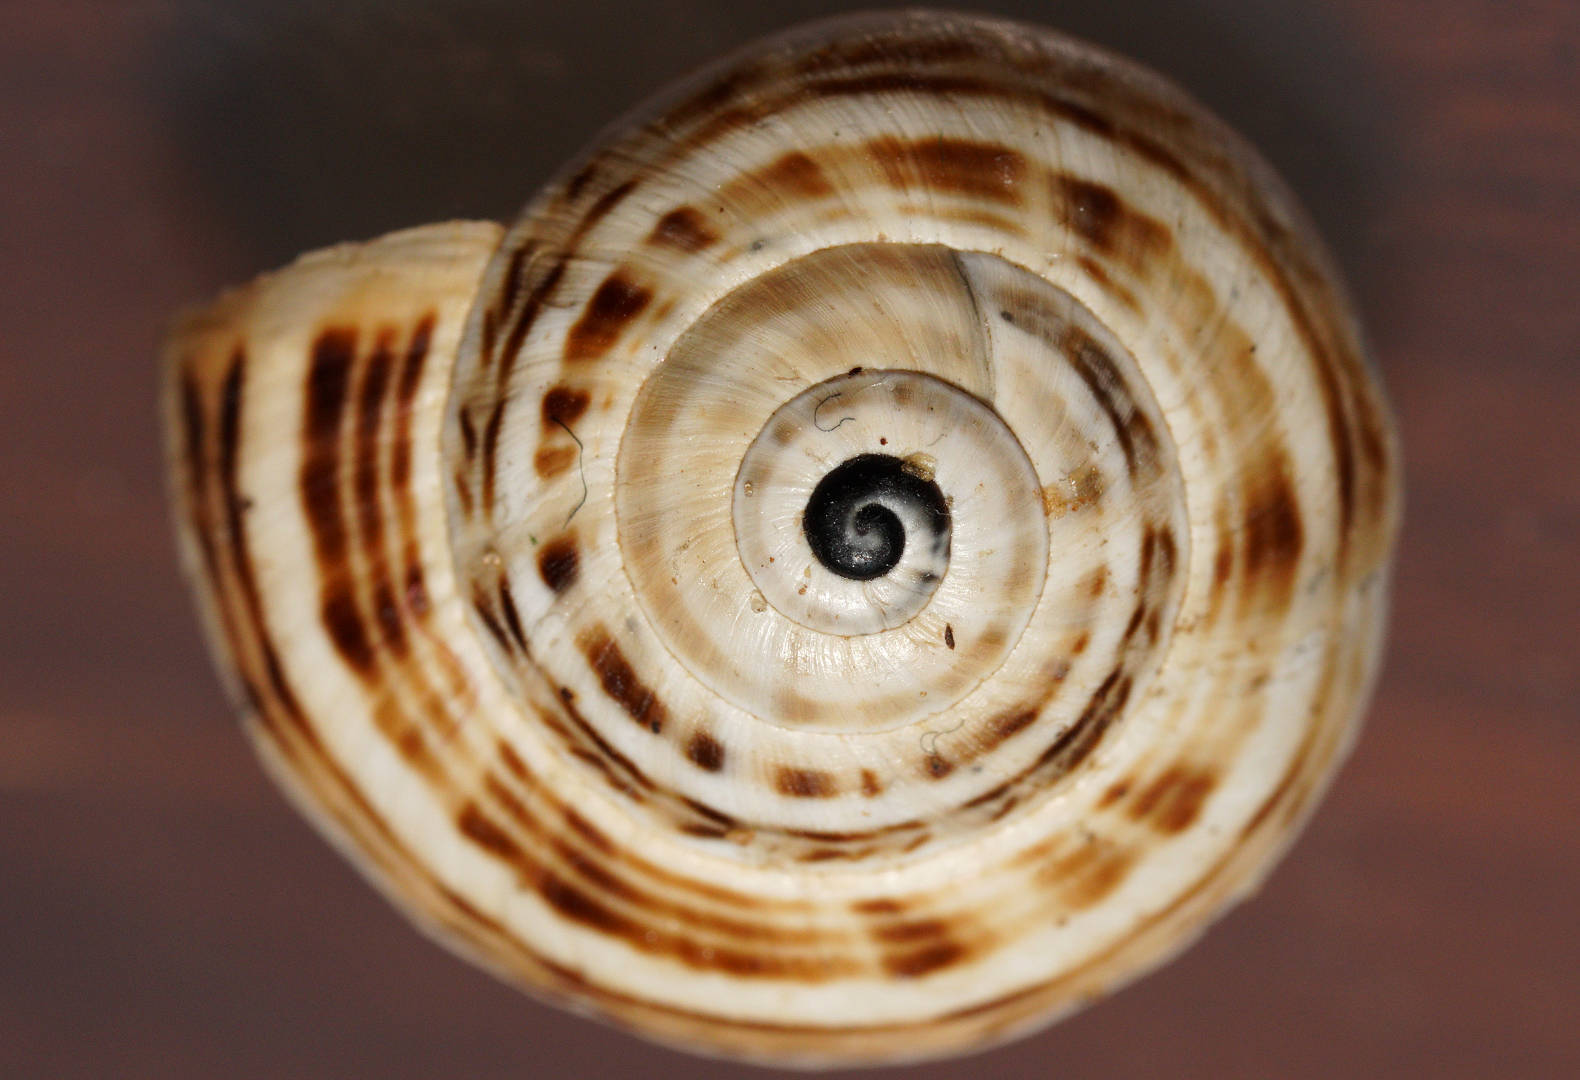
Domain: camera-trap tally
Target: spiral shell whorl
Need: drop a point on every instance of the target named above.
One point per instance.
(583, 685)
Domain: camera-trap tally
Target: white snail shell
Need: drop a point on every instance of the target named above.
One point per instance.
(891, 543)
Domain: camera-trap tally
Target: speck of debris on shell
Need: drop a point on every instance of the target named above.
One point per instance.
(922, 466)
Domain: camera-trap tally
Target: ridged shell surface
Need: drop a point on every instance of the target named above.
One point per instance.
(890, 544)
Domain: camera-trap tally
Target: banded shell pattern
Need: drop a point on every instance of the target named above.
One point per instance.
(891, 543)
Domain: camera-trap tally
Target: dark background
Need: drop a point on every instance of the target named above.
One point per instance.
(164, 914)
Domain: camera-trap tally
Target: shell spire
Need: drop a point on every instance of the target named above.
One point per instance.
(891, 543)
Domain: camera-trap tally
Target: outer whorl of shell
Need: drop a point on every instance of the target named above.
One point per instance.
(890, 544)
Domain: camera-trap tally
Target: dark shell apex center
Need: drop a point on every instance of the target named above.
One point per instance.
(856, 519)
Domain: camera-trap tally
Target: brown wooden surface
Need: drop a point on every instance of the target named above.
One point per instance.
(164, 914)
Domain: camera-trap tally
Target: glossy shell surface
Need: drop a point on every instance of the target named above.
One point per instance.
(889, 545)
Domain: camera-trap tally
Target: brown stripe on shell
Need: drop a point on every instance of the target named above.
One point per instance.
(483, 605)
(343, 621)
(512, 761)
(415, 359)
(510, 287)
(609, 312)
(909, 932)
(367, 488)
(1223, 561)
(1164, 549)
(552, 461)
(468, 434)
(620, 680)
(1173, 801)
(559, 562)
(328, 386)
(1272, 537)
(490, 454)
(250, 616)
(879, 905)
(1007, 725)
(579, 182)
(961, 167)
(1098, 214)
(801, 783)
(522, 324)
(584, 743)
(683, 229)
(1101, 375)
(328, 391)
(194, 432)
(705, 751)
(512, 614)
(792, 173)
(927, 960)
(970, 215)
(563, 405)
(1094, 270)
(909, 829)
(957, 166)
(1115, 792)
(1077, 741)
(1087, 875)
(1098, 370)
(463, 490)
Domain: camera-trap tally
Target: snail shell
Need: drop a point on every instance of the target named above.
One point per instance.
(891, 543)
